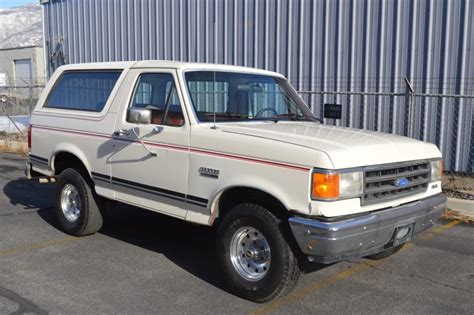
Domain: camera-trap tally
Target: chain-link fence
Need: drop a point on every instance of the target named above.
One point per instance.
(446, 120)
(17, 100)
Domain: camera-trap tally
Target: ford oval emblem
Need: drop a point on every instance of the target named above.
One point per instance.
(401, 182)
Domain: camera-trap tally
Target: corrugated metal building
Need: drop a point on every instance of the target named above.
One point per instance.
(322, 46)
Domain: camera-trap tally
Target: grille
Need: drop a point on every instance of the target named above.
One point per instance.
(380, 182)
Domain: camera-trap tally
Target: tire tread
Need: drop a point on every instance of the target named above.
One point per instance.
(291, 270)
(92, 220)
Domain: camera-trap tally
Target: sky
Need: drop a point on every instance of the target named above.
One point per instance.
(15, 3)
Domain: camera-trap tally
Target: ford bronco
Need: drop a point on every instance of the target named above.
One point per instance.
(236, 149)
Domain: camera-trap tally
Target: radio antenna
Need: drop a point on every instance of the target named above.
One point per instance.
(214, 100)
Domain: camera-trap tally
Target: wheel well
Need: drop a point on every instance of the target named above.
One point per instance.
(238, 195)
(64, 160)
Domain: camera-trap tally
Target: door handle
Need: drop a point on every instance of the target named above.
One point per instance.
(121, 132)
(158, 129)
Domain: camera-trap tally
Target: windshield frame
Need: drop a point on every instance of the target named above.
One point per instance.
(285, 85)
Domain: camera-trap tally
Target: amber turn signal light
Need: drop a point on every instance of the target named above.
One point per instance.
(325, 186)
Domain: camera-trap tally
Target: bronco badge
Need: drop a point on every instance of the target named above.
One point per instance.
(208, 172)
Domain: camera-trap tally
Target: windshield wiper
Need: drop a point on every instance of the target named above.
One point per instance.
(275, 119)
(294, 116)
(229, 115)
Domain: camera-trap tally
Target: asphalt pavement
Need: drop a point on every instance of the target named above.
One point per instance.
(143, 262)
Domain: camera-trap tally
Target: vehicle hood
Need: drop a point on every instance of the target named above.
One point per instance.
(346, 147)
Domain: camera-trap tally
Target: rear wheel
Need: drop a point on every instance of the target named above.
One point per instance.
(76, 207)
(257, 261)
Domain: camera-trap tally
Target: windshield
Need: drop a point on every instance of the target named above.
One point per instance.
(231, 96)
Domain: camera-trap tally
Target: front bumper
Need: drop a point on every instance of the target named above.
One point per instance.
(328, 242)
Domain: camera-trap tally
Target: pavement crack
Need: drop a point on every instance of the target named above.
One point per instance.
(416, 276)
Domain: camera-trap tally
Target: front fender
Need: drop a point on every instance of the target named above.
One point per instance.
(275, 189)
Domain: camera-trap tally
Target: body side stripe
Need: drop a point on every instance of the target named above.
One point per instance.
(197, 199)
(77, 132)
(38, 158)
(148, 187)
(190, 149)
(151, 189)
(148, 191)
(100, 175)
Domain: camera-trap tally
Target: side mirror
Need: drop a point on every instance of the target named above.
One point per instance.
(139, 116)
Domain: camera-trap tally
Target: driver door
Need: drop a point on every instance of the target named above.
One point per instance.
(150, 162)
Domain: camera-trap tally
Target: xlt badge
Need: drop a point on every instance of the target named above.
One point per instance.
(208, 172)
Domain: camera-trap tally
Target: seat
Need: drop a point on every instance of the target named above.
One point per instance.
(175, 119)
(157, 116)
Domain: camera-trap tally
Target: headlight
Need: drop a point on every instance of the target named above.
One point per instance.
(351, 184)
(332, 186)
(436, 170)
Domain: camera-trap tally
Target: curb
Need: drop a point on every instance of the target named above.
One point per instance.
(460, 209)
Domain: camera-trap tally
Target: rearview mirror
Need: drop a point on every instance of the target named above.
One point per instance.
(139, 116)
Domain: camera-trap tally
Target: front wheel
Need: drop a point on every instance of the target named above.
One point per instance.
(76, 205)
(257, 261)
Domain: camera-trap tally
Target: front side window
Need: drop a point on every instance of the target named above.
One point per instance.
(230, 96)
(157, 92)
(83, 90)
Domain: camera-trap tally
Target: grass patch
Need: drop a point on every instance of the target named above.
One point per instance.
(456, 215)
(17, 147)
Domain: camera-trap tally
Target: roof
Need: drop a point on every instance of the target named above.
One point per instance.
(21, 47)
(166, 64)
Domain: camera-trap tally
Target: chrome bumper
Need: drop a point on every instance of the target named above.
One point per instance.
(328, 242)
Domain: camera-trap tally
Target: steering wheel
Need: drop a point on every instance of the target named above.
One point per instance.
(266, 109)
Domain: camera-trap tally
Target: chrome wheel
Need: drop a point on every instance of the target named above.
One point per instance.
(250, 253)
(70, 203)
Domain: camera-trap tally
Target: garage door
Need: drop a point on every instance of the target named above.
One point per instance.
(22, 77)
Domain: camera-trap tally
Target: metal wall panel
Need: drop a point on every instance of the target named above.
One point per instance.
(320, 45)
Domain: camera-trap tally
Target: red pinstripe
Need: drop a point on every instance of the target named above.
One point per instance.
(182, 148)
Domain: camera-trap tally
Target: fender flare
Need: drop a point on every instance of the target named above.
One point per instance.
(71, 149)
(214, 201)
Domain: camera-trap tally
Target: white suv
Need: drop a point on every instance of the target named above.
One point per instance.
(235, 148)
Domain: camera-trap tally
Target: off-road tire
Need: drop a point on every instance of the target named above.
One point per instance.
(284, 270)
(386, 253)
(90, 217)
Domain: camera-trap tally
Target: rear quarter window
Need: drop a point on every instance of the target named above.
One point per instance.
(83, 90)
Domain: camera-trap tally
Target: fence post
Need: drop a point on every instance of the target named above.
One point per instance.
(411, 108)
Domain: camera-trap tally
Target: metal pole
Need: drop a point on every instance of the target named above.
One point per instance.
(411, 110)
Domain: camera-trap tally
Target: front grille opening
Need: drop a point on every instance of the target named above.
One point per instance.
(380, 184)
